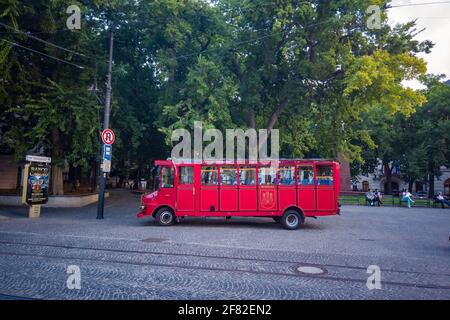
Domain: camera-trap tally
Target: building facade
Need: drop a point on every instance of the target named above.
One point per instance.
(378, 180)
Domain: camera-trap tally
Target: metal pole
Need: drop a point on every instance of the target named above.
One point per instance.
(102, 182)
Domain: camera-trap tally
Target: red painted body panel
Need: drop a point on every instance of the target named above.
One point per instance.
(319, 198)
(306, 198)
(209, 198)
(229, 198)
(287, 197)
(185, 198)
(267, 198)
(247, 198)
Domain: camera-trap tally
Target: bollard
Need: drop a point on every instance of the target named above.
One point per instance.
(34, 212)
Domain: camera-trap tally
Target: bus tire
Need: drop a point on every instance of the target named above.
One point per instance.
(165, 217)
(291, 220)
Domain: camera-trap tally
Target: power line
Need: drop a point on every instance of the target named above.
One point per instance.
(237, 44)
(41, 40)
(418, 4)
(44, 54)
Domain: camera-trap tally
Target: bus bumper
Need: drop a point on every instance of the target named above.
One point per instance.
(141, 214)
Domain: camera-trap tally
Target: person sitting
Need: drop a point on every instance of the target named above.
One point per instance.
(407, 197)
(370, 197)
(440, 199)
(377, 197)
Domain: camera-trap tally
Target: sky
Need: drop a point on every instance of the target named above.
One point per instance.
(436, 19)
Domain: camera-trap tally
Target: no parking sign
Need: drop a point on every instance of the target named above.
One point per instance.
(108, 136)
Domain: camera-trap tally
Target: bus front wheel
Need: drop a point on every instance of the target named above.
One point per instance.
(165, 217)
(291, 220)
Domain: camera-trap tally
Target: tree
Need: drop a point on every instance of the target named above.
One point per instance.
(431, 129)
(308, 68)
(46, 100)
(418, 144)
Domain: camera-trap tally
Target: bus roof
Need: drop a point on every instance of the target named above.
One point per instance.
(170, 161)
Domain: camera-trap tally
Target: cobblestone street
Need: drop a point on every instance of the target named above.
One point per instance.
(122, 257)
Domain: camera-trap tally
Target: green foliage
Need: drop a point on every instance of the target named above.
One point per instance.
(311, 69)
(71, 112)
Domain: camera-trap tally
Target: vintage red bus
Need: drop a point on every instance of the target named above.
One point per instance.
(286, 190)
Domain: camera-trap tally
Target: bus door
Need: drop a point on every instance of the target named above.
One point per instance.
(325, 187)
(166, 185)
(209, 189)
(287, 194)
(228, 188)
(306, 192)
(186, 188)
(267, 190)
(247, 188)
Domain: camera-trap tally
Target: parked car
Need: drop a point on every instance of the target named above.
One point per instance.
(421, 195)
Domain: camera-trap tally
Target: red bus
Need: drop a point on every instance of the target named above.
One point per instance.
(286, 190)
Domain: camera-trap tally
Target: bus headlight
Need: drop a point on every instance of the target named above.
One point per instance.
(142, 207)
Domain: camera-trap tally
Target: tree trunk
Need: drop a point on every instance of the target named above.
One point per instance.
(57, 171)
(276, 114)
(388, 172)
(431, 174)
(94, 175)
(251, 119)
(431, 185)
(57, 181)
(272, 122)
(410, 185)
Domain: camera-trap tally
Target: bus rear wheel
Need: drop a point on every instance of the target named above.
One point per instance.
(165, 217)
(291, 220)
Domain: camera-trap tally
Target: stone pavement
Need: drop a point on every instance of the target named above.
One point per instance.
(122, 257)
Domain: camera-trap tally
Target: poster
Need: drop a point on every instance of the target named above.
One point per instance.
(37, 183)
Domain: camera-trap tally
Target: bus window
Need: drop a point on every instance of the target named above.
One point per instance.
(286, 176)
(267, 176)
(167, 177)
(324, 175)
(210, 176)
(247, 176)
(185, 175)
(306, 176)
(228, 176)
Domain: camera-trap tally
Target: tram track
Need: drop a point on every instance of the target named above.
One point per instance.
(195, 255)
(290, 268)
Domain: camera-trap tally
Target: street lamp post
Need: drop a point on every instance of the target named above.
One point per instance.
(102, 181)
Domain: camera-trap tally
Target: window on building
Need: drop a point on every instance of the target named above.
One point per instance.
(306, 176)
(185, 175)
(447, 187)
(210, 176)
(365, 186)
(286, 176)
(228, 176)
